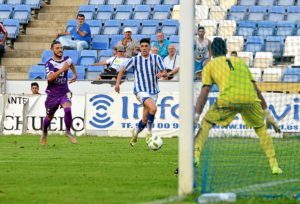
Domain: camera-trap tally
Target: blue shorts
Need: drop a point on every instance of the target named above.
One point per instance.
(199, 65)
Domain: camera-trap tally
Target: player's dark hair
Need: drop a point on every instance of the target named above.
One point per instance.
(218, 47)
(80, 15)
(34, 84)
(201, 28)
(233, 53)
(54, 42)
(145, 40)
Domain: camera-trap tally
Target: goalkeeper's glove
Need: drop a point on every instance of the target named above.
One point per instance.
(270, 121)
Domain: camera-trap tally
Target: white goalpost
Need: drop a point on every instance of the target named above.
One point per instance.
(185, 160)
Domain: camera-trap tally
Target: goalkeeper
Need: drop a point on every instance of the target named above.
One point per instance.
(238, 94)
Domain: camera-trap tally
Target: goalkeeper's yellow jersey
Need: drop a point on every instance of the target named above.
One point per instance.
(234, 80)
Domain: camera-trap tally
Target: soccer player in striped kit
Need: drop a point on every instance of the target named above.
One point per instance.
(148, 68)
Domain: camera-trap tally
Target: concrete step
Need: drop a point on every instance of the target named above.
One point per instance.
(23, 53)
(42, 31)
(31, 46)
(20, 61)
(61, 24)
(60, 8)
(18, 68)
(56, 16)
(36, 38)
(69, 2)
(17, 76)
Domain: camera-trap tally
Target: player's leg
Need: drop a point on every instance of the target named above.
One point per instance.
(81, 45)
(140, 127)
(152, 108)
(66, 104)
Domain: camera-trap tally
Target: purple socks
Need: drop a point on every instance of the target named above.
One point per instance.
(68, 119)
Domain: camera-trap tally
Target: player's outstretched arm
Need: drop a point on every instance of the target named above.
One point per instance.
(53, 75)
(201, 101)
(75, 75)
(163, 73)
(119, 78)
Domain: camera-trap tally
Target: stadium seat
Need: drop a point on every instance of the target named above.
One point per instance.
(170, 27)
(22, 13)
(100, 42)
(115, 39)
(93, 72)
(263, 59)
(217, 13)
(104, 12)
(286, 2)
(111, 27)
(37, 72)
(153, 38)
(105, 54)
(227, 3)
(266, 2)
(176, 12)
(149, 27)
(266, 28)
(209, 25)
(142, 12)
(171, 2)
(12, 27)
(87, 10)
(257, 13)
(87, 57)
(285, 28)
(174, 39)
(80, 73)
(5, 11)
(46, 55)
(133, 24)
(276, 13)
(95, 26)
(134, 2)
(272, 74)
(291, 75)
(256, 73)
(291, 46)
(115, 2)
(247, 57)
(226, 28)
(247, 2)
(237, 13)
(96, 2)
(153, 2)
(71, 24)
(246, 28)
(235, 43)
(139, 37)
(2, 1)
(74, 54)
(254, 44)
(34, 4)
(123, 12)
(214, 88)
(274, 44)
(201, 12)
(293, 13)
(14, 2)
(161, 12)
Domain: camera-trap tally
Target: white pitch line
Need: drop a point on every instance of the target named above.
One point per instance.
(166, 200)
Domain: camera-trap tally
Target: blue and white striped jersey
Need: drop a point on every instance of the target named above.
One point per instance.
(145, 70)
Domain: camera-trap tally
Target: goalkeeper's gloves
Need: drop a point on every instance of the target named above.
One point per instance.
(270, 121)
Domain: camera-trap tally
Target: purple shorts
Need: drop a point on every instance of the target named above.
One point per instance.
(52, 103)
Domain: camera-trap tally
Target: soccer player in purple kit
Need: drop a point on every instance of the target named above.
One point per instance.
(58, 91)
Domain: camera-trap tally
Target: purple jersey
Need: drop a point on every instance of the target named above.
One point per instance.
(59, 86)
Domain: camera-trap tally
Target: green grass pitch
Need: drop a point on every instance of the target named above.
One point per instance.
(97, 170)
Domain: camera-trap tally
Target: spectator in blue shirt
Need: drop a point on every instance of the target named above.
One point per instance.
(80, 35)
(162, 45)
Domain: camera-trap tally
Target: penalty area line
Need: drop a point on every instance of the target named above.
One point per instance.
(166, 200)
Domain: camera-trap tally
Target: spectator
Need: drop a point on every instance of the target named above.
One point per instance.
(172, 62)
(35, 88)
(115, 63)
(128, 43)
(3, 40)
(203, 50)
(81, 35)
(154, 50)
(162, 44)
(234, 54)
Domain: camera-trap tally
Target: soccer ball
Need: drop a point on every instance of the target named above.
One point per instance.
(155, 143)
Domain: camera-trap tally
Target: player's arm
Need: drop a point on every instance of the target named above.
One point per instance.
(209, 49)
(119, 78)
(75, 75)
(161, 67)
(53, 75)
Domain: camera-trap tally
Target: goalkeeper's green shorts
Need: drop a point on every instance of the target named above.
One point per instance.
(252, 114)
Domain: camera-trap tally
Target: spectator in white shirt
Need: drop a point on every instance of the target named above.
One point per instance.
(172, 62)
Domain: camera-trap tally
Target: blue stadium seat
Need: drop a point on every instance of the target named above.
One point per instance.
(139, 37)
(112, 27)
(95, 26)
(37, 72)
(80, 73)
(14, 2)
(237, 13)
(153, 2)
(153, 38)
(74, 54)
(115, 2)
(276, 13)
(5, 11)
(115, 39)
(274, 44)
(96, 2)
(170, 27)
(266, 28)
(266, 2)
(214, 88)
(246, 28)
(87, 10)
(174, 39)
(71, 24)
(293, 13)
(291, 75)
(34, 4)
(286, 2)
(149, 27)
(99, 68)
(22, 13)
(2, 1)
(104, 12)
(171, 2)
(285, 28)
(298, 29)
(134, 2)
(93, 72)
(105, 54)
(12, 27)
(46, 55)
(100, 42)
(161, 12)
(254, 44)
(123, 12)
(87, 57)
(133, 24)
(142, 12)
(247, 2)
(257, 13)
